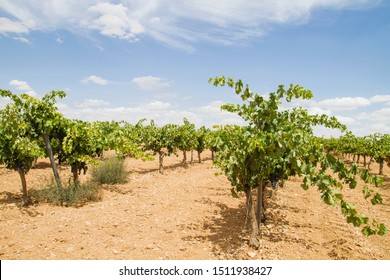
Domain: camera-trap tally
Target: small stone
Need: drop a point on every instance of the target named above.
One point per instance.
(251, 254)
(115, 251)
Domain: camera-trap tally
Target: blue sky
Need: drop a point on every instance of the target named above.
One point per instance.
(152, 58)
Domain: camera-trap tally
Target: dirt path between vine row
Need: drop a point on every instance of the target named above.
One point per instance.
(185, 214)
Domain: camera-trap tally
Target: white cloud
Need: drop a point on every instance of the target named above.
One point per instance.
(318, 111)
(155, 20)
(384, 112)
(323, 131)
(214, 115)
(213, 107)
(365, 123)
(371, 128)
(94, 103)
(62, 106)
(380, 99)
(327, 106)
(374, 118)
(161, 112)
(346, 120)
(23, 86)
(23, 40)
(9, 26)
(47, 15)
(95, 79)
(176, 23)
(166, 95)
(380, 115)
(344, 103)
(151, 83)
(157, 106)
(115, 21)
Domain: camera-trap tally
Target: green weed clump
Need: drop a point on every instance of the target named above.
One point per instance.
(110, 171)
(68, 195)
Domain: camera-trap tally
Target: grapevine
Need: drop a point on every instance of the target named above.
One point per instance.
(283, 143)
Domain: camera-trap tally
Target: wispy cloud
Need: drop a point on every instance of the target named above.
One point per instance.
(177, 23)
(151, 83)
(23, 40)
(23, 86)
(95, 79)
(10, 26)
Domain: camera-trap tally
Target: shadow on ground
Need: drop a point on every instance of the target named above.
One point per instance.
(16, 200)
(228, 233)
(224, 230)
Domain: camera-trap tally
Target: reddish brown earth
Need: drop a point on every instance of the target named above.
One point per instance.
(187, 213)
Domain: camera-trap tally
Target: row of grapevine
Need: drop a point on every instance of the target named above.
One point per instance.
(374, 147)
(171, 139)
(32, 128)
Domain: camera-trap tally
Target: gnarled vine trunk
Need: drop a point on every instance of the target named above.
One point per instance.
(52, 161)
(260, 203)
(184, 163)
(255, 215)
(381, 164)
(160, 162)
(75, 172)
(22, 175)
(251, 215)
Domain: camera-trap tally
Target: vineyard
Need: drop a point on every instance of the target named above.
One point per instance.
(281, 193)
(183, 214)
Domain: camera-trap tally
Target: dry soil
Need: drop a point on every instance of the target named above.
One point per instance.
(185, 214)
